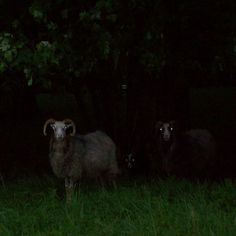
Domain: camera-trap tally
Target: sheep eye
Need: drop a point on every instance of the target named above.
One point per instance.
(67, 126)
(161, 129)
(171, 129)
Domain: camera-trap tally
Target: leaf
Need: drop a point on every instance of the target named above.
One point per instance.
(30, 82)
(8, 56)
(3, 67)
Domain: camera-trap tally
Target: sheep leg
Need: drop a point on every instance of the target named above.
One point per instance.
(114, 184)
(2, 180)
(112, 180)
(166, 165)
(100, 180)
(69, 186)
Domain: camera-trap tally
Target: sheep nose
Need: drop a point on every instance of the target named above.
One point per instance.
(166, 137)
(59, 136)
(130, 165)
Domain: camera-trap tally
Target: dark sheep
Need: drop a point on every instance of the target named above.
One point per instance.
(135, 158)
(186, 153)
(136, 164)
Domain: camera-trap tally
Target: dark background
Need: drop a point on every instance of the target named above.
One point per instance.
(118, 66)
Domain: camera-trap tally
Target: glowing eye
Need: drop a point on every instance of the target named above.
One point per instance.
(161, 129)
(171, 129)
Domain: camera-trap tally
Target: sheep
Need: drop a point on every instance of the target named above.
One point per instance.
(166, 142)
(132, 164)
(185, 153)
(75, 156)
(135, 157)
(136, 164)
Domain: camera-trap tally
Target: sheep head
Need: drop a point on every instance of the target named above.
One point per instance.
(166, 130)
(59, 128)
(130, 160)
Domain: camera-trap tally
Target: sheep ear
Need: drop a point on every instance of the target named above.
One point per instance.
(158, 125)
(172, 122)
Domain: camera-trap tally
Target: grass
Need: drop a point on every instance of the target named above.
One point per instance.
(33, 206)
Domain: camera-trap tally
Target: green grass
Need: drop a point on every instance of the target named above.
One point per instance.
(157, 207)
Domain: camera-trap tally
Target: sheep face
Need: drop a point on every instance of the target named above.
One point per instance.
(130, 160)
(166, 130)
(60, 130)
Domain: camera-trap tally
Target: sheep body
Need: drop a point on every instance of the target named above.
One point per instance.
(194, 154)
(91, 155)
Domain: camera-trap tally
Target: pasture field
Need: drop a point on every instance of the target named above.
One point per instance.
(35, 206)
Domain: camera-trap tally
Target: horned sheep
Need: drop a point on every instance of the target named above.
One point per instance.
(73, 156)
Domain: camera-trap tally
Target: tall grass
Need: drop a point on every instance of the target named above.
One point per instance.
(34, 206)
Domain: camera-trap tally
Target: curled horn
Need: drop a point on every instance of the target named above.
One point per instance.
(49, 121)
(71, 122)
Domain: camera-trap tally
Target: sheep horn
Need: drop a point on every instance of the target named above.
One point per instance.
(49, 121)
(71, 122)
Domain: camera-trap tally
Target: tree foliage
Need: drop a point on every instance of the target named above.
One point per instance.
(40, 39)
